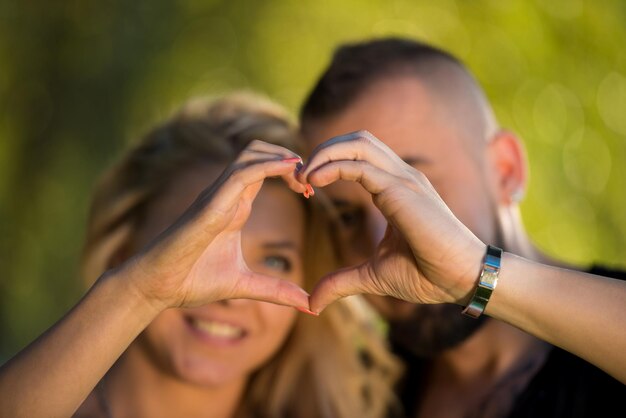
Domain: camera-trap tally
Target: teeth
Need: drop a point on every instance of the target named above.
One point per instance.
(218, 329)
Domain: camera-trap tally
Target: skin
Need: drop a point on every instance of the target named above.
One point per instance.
(178, 359)
(411, 134)
(433, 244)
(427, 256)
(407, 117)
(206, 242)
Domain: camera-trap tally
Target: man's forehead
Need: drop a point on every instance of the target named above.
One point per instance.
(414, 118)
(398, 112)
(385, 102)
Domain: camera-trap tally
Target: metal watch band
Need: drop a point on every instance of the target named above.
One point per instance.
(486, 283)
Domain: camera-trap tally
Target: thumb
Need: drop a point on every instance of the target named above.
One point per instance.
(271, 289)
(339, 284)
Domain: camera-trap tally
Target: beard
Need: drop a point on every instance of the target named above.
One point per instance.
(431, 329)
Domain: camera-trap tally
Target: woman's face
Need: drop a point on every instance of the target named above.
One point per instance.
(224, 342)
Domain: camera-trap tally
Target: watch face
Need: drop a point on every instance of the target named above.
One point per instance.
(486, 283)
(488, 278)
(491, 268)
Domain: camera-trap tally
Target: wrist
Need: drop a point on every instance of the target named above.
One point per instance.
(466, 284)
(126, 285)
(487, 282)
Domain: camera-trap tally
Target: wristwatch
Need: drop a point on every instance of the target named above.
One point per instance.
(486, 283)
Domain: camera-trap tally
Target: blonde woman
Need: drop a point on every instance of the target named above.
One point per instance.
(177, 322)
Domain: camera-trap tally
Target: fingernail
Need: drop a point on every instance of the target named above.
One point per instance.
(309, 189)
(306, 311)
(299, 167)
(292, 160)
(306, 193)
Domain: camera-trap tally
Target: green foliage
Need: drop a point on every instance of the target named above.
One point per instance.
(79, 80)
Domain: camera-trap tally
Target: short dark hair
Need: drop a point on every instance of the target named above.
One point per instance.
(355, 66)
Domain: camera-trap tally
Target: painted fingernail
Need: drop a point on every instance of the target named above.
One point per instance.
(299, 167)
(309, 189)
(306, 311)
(306, 193)
(292, 160)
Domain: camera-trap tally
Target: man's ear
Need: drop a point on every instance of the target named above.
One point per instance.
(508, 160)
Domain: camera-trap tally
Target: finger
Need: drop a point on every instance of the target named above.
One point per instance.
(230, 191)
(253, 156)
(246, 158)
(337, 285)
(360, 145)
(294, 184)
(262, 146)
(271, 289)
(372, 178)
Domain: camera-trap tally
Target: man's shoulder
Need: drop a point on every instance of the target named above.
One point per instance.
(602, 270)
(565, 365)
(568, 386)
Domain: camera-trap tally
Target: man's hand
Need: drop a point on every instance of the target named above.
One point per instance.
(426, 256)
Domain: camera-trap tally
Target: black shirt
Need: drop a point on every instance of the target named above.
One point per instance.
(566, 386)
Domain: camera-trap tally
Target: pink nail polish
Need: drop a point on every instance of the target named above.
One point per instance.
(309, 189)
(292, 160)
(306, 311)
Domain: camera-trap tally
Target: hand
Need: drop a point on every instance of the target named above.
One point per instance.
(426, 256)
(199, 259)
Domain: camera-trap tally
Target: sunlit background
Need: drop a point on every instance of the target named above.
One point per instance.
(80, 79)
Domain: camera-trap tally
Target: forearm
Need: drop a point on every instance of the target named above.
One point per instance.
(579, 312)
(55, 373)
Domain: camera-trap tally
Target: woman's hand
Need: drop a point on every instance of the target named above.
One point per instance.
(426, 256)
(198, 259)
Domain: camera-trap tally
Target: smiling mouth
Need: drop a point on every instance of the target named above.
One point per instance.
(216, 330)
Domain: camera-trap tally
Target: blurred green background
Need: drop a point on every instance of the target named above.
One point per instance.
(80, 79)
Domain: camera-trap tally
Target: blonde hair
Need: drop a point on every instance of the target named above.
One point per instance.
(336, 365)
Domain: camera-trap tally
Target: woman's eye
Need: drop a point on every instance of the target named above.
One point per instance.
(278, 263)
